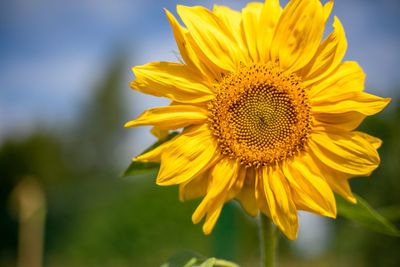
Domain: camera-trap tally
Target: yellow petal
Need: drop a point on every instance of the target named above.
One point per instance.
(260, 194)
(328, 9)
(346, 121)
(212, 36)
(298, 34)
(194, 188)
(232, 20)
(246, 196)
(348, 77)
(339, 183)
(238, 185)
(361, 102)
(171, 80)
(223, 177)
(374, 141)
(154, 155)
(211, 219)
(310, 190)
(171, 117)
(187, 51)
(328, 56)
(269, 18)
(187, 155)
(347, 152)
(159, 133)
(250, 23)
(279, 200)
(342, 187)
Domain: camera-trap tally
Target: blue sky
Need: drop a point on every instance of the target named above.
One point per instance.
(53, 52)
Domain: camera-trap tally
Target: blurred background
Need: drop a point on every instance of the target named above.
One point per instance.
(64, 97)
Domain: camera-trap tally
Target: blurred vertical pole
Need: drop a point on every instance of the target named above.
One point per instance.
(29, 201)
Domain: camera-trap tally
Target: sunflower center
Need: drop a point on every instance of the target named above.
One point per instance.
(260, 115)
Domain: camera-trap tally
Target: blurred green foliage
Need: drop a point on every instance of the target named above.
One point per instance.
(96, 218)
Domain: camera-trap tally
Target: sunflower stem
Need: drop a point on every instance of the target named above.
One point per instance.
(268, 241)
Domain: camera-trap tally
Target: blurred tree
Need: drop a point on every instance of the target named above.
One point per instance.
(99, 132)
(64, 164)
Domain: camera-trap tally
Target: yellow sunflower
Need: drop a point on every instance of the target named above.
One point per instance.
(268, 111)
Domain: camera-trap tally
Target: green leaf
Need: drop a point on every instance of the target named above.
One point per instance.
(191, 262)
(184, 258)
(365, 215)
(391, 212)
(160, 142)
(208, 263)
(193, 259)
(138, 168)
(211, 262)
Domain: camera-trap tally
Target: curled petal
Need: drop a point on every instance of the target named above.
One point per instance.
(174, 81)
(246, 196)
(212, 37)
(232, 20)
(328, 56)
(171, 117)
(339, 183)
(187, 155)
(250, 23)
(298, 34)
(347, 77)
(364, 103)
(194, 188)
(189, 53)
(278, 197)
(347, 152)
(346, 121)
(310, 190)
(269, 18)
(223, 178)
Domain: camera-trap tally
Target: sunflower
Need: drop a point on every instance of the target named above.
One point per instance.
(268, 111)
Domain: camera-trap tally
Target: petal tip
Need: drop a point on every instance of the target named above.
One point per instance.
(387, 100)
(170, 16)
(207, 229)
(291, 235)
(130, 124)
(180, 8)
(352, 200)
(164, 181)
(139, 159)
(330, 214)
(134, 84)
(196, 218)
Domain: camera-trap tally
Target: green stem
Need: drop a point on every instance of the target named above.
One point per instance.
(268, 241)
